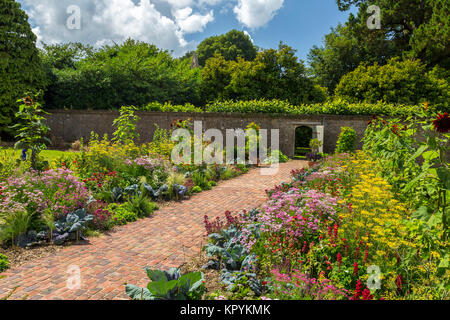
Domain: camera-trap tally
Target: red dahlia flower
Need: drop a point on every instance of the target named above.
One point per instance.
(442, 123)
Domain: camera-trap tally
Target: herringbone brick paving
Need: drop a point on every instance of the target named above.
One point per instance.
(168, 239)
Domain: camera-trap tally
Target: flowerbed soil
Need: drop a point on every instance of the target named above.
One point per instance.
(19, 256)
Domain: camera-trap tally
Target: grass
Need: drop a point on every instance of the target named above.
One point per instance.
(49, 155)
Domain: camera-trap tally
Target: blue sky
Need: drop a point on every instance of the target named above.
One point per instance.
(179, 25)
(299, 23)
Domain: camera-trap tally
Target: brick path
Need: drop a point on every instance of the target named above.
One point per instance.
(167, 239)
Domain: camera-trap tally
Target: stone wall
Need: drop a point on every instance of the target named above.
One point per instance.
(72, 124)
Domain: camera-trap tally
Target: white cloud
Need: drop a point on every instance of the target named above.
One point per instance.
(256, 13)
(108, 21)
(191, 23)
(164, 23)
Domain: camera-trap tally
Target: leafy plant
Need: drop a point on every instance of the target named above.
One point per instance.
(31, 131)
(4, 262)
(169, 285)
(70, 227)
(15, 226)
(126, 126)
(346, 141)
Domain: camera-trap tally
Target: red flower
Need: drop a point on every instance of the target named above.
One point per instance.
(356, 253)
(355, 268)
(442, 123)
(366, 295)
(366, 255)
(358, 291)
(399, 282)
(339, 259)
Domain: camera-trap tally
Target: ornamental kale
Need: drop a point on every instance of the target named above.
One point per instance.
(169, 285)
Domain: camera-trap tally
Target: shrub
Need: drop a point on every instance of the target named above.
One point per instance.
(346, 141)
(197, 189)
(122, 214)
(401, 82)
(4, 262)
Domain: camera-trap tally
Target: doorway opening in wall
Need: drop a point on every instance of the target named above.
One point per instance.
(303, 136)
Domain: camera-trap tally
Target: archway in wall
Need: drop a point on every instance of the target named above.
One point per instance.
(303, 135)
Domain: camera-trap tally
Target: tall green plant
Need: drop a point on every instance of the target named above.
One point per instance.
(346, 141)
(413, 158)
(31, 130)
(126, 126)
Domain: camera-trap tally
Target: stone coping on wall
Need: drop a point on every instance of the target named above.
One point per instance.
(221, 114)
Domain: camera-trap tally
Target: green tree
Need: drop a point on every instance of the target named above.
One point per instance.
(403, 82)
(341, 53)
(230, 46)
(416, 28)
(20, 66)
(274, 74)
(132, 73)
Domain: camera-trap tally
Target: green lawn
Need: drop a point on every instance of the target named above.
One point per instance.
(50, 155)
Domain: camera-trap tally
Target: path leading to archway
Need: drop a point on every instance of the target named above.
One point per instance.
(167, 239)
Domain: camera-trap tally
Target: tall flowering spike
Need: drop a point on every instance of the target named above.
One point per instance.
(335, 231)
(355, 268)
(366, 255)
(442, 123)
(399, 282)
(339, 259)
(356, 253)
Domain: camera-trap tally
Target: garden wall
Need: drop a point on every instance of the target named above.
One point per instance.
(70, 125)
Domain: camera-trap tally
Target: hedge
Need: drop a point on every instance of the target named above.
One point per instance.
(336, 107)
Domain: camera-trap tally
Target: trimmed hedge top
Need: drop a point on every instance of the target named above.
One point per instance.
(336, 107)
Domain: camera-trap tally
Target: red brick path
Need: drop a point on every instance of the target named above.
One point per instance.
(167, 239)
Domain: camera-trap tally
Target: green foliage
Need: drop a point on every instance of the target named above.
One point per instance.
(4, 262)
(122, 214)
(410, 28)
(31, 131)
(200, 180)
(346, 141)
(197, 189)
(315, 144)
(400, 82)
(14, 225)
(413, 158)
(169, 107)
(141, 205)
(126, 126)
(20, 66)
(132, 73)
(274, 74)
(337, 106)
(169, 285)
(232, 45)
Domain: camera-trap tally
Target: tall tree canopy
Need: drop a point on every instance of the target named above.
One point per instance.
(20, 66)
(417, 28)
(230, 46)
(133, 73)
(410, 29)
(274, 74)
